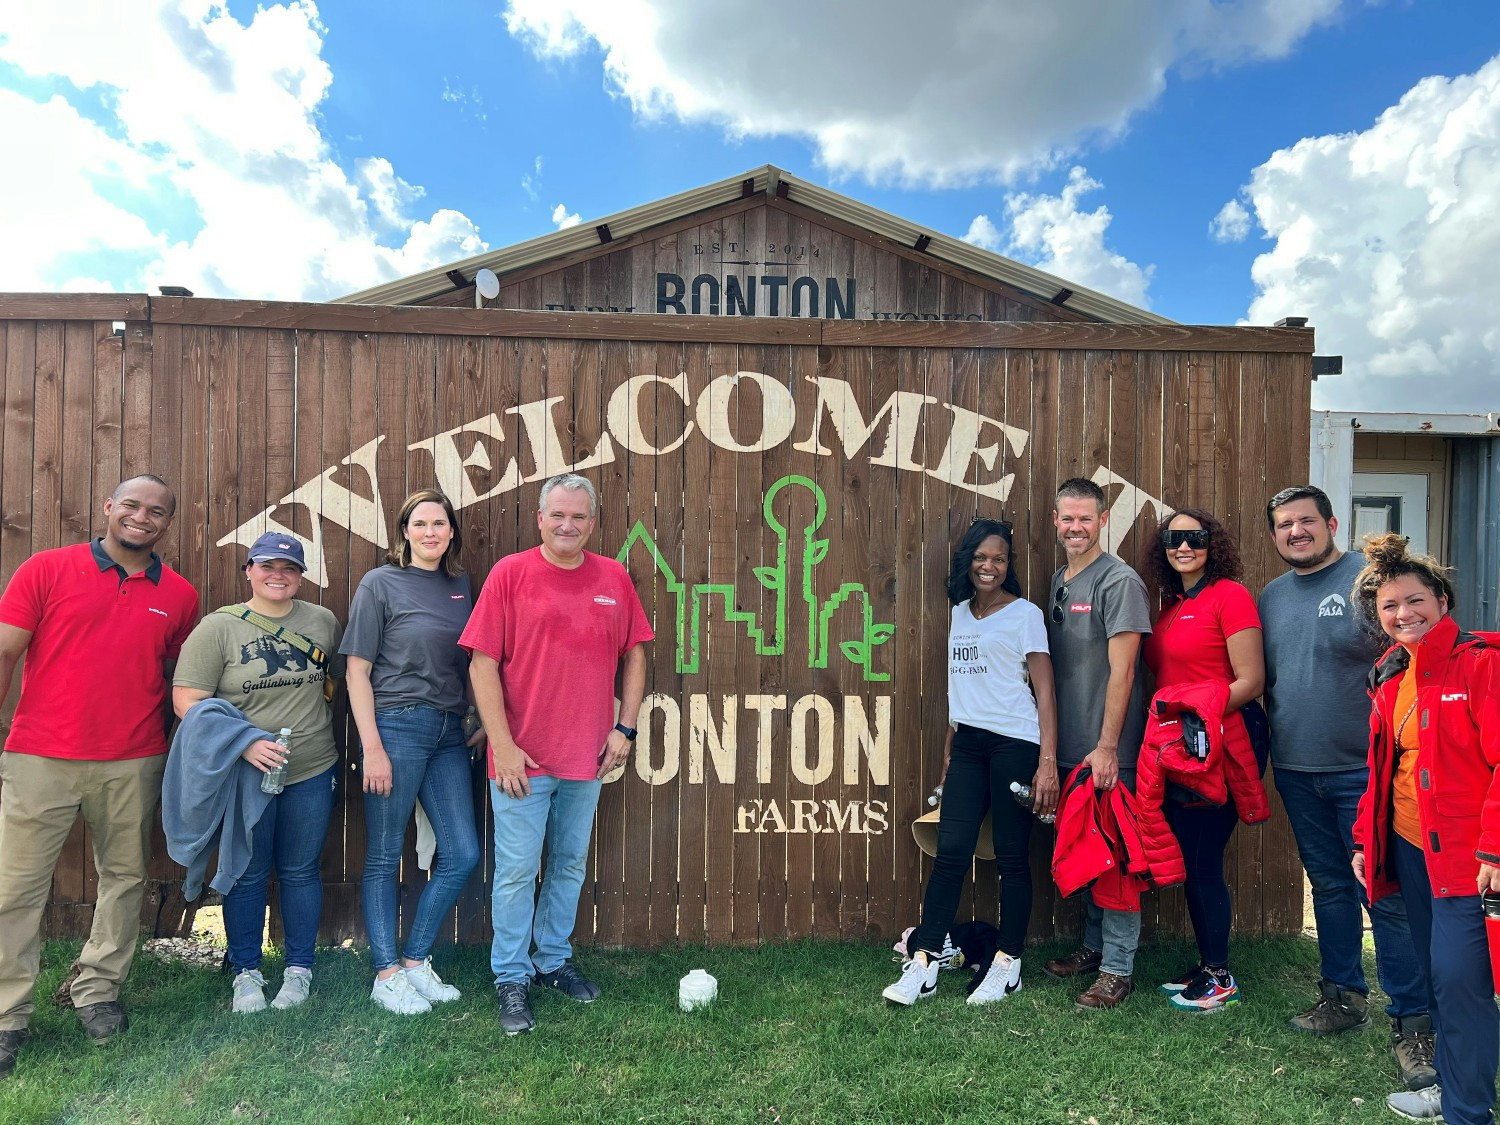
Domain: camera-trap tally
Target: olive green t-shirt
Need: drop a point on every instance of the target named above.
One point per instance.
(274, 684)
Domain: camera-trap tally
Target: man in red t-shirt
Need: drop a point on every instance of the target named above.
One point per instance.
(99, 624)
(548, 633)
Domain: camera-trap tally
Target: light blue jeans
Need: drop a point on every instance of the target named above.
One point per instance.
(561, 814)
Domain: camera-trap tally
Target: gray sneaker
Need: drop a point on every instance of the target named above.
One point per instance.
(295, 986)
(1425, 1104)
(249, 991)
(1413, 1043)
(514, 997)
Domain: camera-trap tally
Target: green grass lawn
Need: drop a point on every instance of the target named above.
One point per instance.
(799, 1034)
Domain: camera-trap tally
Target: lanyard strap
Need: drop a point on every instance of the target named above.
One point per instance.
(281, 633)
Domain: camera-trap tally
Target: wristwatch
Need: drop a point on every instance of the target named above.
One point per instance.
(628, 732)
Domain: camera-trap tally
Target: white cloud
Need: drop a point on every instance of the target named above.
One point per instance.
(531, 183)
(983, 233)
(1231, 224)
(984, 89)
(207, 166)
(1051, 233)
(562, 220)
(1387, 241)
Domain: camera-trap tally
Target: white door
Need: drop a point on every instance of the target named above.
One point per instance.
(1385, 502)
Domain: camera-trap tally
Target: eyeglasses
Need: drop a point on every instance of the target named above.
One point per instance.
(1197, 540)
(1057, 603)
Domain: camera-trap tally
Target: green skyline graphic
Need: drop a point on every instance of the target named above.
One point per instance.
(691, 602)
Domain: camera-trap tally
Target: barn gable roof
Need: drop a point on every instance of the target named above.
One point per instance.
(769, 181)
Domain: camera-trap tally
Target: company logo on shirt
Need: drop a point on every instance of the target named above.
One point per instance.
(153, 609)
(1455, 697)
(603, 599)
(1081, 607)
(1332, 606)
(458, 597)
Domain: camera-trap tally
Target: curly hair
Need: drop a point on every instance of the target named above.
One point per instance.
(1387, 559)
(960, 585)
(1223, 555)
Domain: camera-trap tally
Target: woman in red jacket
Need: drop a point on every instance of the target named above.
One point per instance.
(1208, 630)
(1429, 822)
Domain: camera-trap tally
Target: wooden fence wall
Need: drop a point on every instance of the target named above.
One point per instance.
(795, 721)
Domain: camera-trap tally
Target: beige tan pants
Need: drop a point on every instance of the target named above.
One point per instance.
(39, 802)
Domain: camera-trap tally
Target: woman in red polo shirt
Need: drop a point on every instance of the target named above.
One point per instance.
(1208, 630)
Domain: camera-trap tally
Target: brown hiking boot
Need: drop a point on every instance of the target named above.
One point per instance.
(103, 1021)
(1109, 991)
(1076, 964)
(11, 1043)
(1336, 1010)
(1412, 1041)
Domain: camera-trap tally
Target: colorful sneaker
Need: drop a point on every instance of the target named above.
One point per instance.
(1079, 963)
(396, 994)
(1208, 993)
(428, 984)
(1001, 979)
(249, 991)
(918, 981)
(1177, 984)
(1425, 1104)
(295, 986)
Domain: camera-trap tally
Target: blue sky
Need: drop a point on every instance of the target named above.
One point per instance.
(1350, 149)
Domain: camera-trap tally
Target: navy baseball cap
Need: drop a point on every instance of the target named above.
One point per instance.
(274, 546)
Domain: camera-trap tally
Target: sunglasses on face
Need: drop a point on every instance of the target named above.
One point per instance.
(991, 519)
(1197, 540)
(1057, 603)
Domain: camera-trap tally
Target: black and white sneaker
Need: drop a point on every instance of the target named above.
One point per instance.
(514, 997)
(1001, 979)
(918, 981)
(570, 982)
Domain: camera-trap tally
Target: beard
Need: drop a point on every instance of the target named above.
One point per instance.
(1318, 558)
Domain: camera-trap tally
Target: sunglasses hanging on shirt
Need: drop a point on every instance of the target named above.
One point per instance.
(1197, 540)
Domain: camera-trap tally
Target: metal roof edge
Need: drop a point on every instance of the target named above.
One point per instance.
(1378, 422)
(585, 236)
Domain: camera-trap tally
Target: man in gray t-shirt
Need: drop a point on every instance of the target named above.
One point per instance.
(1097, 614)
(1318, 655)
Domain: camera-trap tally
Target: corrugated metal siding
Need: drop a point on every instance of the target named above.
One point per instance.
(1474, 531)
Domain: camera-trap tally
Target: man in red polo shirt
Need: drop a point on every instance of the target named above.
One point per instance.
(99, 624)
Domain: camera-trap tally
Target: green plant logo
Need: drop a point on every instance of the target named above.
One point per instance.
(777, 579)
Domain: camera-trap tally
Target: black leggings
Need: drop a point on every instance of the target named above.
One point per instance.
(1203, 832)
(980, 771)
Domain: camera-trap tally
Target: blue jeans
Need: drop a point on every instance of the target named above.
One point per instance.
(430, 762)
(561, 813)
(1321, 807)
(1449, 937)
(289, 837)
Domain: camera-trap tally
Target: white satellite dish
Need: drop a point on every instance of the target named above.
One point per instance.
(486, 287)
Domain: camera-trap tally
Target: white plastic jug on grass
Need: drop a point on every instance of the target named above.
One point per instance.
(696, 990)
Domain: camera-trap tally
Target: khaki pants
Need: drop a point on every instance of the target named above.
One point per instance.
(40, 801)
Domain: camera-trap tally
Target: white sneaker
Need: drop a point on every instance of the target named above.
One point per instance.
(1002, 978)
(395, 994)
(918, 981)
(428, 984)
(295, 986)
(1425, 1104)
(249, 991)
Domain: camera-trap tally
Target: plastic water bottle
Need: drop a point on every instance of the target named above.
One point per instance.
(273, 781)
(696, 990)
(1023, 798)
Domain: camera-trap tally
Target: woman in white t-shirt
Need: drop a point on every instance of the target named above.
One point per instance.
(1002, 727)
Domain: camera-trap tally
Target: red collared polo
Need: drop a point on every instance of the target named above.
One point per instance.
(93, 686)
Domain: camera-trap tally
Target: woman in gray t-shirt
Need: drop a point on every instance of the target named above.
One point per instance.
(408, 694)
